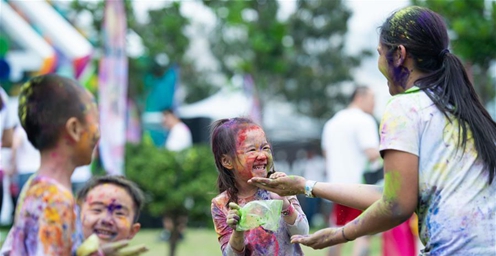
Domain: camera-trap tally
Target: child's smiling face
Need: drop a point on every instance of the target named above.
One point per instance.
(108, 211)
(253, 153)
(91, 132)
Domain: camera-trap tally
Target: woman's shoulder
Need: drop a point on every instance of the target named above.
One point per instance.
(412, 100)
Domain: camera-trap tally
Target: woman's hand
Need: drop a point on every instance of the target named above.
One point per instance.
(283, 186)
(122, 248)
(320, 239)
(276, 175)
(233, 215)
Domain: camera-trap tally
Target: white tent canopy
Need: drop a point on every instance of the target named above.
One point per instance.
(280, 120)
(226, 103)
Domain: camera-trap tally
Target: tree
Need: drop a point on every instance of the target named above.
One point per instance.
(177, 184)
(300, 60)
(319, 63)
(473, 27)
(165, 43)
(248, 39)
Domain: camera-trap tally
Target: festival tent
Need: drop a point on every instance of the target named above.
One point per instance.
(226, 103)
(280, 120)
(58, 30)
(35, 54)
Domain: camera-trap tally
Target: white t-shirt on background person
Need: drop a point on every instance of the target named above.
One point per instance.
(345, 138)
(179, 138)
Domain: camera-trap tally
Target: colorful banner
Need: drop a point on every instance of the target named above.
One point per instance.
(162, 95)
(112, 91)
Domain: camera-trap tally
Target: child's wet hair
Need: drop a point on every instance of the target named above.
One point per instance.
(131, 188)
(223, 136)
(45, 104)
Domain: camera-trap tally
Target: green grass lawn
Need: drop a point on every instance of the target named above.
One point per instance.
(204, 242)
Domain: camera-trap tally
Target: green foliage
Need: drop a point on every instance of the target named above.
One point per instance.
(473, 27)
(319, 63)
(163, 37)
(300, 60)
(176, 183)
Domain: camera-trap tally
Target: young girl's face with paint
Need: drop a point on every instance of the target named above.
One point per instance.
(253, 153)
(108, 211)
(91, 129)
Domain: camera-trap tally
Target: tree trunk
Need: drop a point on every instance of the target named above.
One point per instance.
(174, 235)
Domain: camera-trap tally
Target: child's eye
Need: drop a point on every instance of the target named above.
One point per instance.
(96, 210)
(120, 213)
(267, 148)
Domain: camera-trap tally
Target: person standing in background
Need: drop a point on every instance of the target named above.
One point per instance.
(178, 138)
(24, 161)
(7, 122)
(349, 142)
(25, 158)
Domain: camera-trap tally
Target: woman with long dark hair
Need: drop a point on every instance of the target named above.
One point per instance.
(438, 145)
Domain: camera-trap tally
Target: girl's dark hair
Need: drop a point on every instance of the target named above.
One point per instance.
(223, 135)
(45, 104)
(423, 33)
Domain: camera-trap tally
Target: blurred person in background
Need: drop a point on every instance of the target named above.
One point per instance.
(179, 137)
(349, 142)
(7, 123)
(24, 161)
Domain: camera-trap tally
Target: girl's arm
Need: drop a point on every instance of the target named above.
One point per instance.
(231, 241)
(296, 219)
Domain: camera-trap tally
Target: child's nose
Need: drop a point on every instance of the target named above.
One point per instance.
(107, 220)
(262, 155)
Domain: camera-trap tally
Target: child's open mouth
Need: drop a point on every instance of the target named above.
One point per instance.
(105, 234)
(259, 170)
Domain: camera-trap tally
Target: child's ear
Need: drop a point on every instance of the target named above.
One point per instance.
(135, 228)
(226, 162)
(74, 128)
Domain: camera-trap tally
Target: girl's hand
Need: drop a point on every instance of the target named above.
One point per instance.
(320, 239)
(233, 215)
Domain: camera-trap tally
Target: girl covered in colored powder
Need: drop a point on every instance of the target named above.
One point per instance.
(438, 145)
(241, 151)
(61, 121)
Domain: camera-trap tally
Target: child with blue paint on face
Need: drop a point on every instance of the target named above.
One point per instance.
(109, 209)
(241, 151)
(61, 120)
